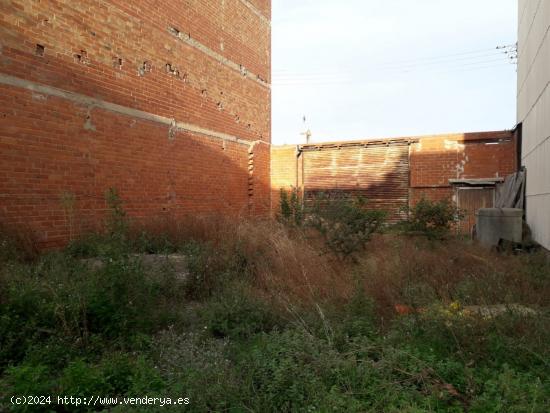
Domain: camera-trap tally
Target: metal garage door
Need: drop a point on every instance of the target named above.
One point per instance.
(380, 173)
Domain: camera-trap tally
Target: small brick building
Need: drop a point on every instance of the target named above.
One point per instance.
(396, 173)
(168, 102)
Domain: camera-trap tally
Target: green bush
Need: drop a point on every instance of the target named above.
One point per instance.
(284, 372)
(433, 219)
(205, 275)
(148, 243)
(237, 314)
(113, 241)
(354, 320)
(344, 222)
(291, 207)
(197, 366)
(59, 301)
(295, 371)
(212, 269)
(506, 390)
(115, 375)
(16, 245)
(448, 333)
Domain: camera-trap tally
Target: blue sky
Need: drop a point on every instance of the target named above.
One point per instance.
(360, 69)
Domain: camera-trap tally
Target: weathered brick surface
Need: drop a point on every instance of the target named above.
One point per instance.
(259, 166)
(284, 171)
(202, 63)
(206, 92)
(433, 160)
(436, 159)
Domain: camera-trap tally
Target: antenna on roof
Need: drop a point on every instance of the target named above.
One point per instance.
(307, 133)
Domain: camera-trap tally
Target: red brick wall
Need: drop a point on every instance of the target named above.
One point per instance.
(436, 159)
(433, 160)
(204, 65)
(259, 169)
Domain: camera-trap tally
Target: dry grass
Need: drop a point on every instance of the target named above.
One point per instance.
(289, 267)
(415, 273)
(296, 263)
(292, 268)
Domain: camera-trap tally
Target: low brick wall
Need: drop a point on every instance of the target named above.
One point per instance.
(371, 167)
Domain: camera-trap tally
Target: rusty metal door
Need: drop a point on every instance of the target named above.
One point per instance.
(469, 200)
(380, 173)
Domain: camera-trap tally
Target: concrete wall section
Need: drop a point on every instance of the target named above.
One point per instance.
(534, 111)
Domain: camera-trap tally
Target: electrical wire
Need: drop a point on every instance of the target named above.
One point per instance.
(350, 81)
(508, 50)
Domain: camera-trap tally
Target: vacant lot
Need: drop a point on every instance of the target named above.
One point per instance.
(262, 316)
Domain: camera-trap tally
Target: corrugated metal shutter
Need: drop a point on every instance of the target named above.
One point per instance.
(380, 173)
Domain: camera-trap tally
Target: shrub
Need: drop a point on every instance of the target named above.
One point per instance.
(210, 269)
(114, 241)
(151, 243)
(28, 379)
(344, 222)
(116, 374)
(506, 390)
(196, 366)
(16, 245)
(117, 223)
(355, 319)
(236, 313)
(59, 301)
(284, 371)
(291, 207)
(433, 219)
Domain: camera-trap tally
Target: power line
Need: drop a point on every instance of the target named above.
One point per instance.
(479, 59)
(460, 69)
(510, 51)
(394, 67)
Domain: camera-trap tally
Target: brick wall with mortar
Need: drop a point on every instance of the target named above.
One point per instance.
(433, 160)
(169, 102)
(436, 159)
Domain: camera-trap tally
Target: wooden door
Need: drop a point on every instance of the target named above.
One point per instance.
(469, 200)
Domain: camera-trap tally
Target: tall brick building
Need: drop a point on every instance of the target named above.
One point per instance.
(167, 101)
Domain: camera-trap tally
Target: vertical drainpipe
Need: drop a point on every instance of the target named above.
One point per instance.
(297, 155)
(300, 172)
(518, 140)
(410, 191)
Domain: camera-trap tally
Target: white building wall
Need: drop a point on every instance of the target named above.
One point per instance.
(534, 111)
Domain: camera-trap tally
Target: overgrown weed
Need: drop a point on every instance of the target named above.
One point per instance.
(265, 320)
